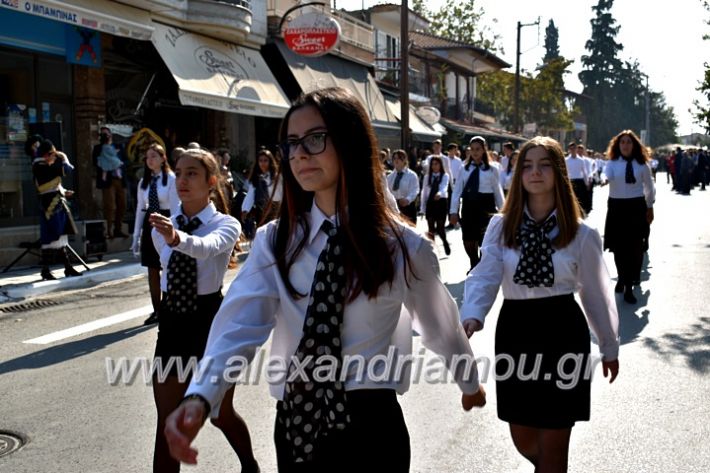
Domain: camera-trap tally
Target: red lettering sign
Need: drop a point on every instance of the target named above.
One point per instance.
(312, 34)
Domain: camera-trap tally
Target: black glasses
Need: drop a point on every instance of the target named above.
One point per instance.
(312, 143)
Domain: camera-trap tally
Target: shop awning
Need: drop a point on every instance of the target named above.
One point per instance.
(420, 130)
(331, 71)
(101, 15)
(473, 130)
(218, 75)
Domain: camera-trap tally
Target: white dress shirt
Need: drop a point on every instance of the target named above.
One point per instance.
(577, 168)
(506, 178)
(488, 183)
(251, 193)
(578, 267)
(591, 169)
(615, 174)
(258, 303)
(455, 164)
(167, 196)
(408, 185)
(426, 190)
(210, 244)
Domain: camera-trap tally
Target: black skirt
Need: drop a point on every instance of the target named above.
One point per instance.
(625, 222)
(184, 336)
(150, 257)
(548, 387)
(475, 215)
(437, 209)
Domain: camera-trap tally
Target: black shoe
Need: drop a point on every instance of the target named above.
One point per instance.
(70, 272)
(450, 226)
(447, 248)
(47, 275)
(629, 296)
(619, 288)
(152, 319)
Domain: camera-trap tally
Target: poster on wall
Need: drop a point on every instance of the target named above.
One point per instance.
(16, 129)
(83, 46)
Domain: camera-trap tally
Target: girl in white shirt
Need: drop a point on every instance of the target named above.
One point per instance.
(434, 200)
(478, 186)
(630, 208)
(263, 190)
(156, 193)
(194, 247)
(331, 278)
(506, 177)
(541, 251)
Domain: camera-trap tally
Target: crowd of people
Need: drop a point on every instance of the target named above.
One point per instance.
(336, 263)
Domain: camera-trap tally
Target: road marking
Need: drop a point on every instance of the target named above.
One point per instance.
(91, 326)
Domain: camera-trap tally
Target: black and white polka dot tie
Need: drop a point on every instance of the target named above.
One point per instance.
(153, 202)
(182, 274)
(314, 407)
(535, 268)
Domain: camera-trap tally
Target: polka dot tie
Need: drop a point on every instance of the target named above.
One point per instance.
(313, 404)
(535, 268)
(153, 202)
(182, 274)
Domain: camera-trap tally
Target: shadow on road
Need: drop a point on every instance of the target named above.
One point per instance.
(68, 351)
(692, 344)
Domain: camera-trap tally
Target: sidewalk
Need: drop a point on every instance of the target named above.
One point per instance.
(25, 282)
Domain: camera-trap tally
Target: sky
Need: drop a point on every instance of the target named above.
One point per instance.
(664, 36)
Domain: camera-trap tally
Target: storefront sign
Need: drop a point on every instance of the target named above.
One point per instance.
(312, 34)
(124, 21)
(83, 46)
(429, 115)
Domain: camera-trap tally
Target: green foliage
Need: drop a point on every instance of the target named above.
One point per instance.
(461, 21)
(552, 47)
(419, 6)
(702, 112)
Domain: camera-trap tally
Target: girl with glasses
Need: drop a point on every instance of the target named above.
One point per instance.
(331, 279)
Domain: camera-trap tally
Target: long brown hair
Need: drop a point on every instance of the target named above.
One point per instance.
(212, 168)
(164, 168)
(366, 223)
(256, 170)
(566, 204)
(485, 158)
(639, 152)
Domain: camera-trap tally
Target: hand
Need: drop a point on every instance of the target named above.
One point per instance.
(437, 197)
(136, 246)
(471, 325)
(181, 428)
(453, 219)
(403, 202)
(477, 399)
(610, 367)
(649, 215)
(68, 194)
(164, 226)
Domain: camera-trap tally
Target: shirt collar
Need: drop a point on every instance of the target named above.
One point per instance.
(315, 219)
(527, 212)
(205, 215)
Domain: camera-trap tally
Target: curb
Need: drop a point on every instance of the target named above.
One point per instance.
(87, 279)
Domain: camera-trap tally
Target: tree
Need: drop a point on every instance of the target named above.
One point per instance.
(552, 48)
(461, 21)
(544, 104)
(419, 7)
(702, 114)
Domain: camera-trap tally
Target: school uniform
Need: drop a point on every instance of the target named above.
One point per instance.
(192, 281)
(480, 200)
(258, 303)
(540, 316)
(578, 173)
(404, 184)
(258, 196)
(159, 196)
(631, 193)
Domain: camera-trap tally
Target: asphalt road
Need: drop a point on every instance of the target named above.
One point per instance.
(654, 418)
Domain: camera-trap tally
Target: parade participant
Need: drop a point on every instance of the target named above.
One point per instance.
(435, 202)
(156, 193)
(56, 221)
(478, 186)
(436, 151)
(194, 246)
(578, 172)
(506, 177)
(540, 251)
(591, 171)
(264, 190)
(404, 185)
(331, 277)
(630, 208)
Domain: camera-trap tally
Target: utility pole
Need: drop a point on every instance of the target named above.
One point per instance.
(648, 115)
(404, 75)
(516, 118)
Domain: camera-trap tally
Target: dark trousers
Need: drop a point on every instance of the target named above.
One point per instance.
(628, 258)
(409, 211)
(376, 439)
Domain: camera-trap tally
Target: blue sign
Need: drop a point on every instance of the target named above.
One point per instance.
(83, 46)
(31, 32)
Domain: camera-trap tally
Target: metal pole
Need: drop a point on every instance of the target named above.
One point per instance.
(516, 115)
(648, 115)
(404, 75)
